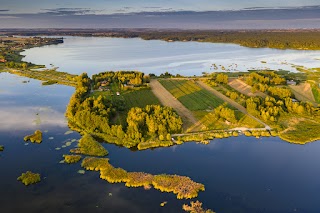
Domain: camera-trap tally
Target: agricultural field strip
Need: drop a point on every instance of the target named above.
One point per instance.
(186, 95)
(167, 99)
(244, 88)
(231, 102)
(191, 95)
(303, 93)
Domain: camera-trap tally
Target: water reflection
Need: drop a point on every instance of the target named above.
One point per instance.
(26, 106)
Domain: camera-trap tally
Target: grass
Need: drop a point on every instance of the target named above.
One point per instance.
(316, 93)
(196, 207)
(72, 158)
(140, 98)
(154, 144)
(34, 138)
(89, 146)
(29, 178)
(190, 95)
(247, 121)
(302, 132)
(48, 76)
(132, 98)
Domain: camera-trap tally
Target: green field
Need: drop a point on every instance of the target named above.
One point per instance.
(190, 95)
(140, 98)
(316, 93)
(131, 98)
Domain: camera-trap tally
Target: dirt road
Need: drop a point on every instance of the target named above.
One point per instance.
(167, 99)
(231, 102)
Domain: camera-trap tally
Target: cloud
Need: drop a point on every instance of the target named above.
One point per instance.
(69, 11)
(25, 118)
(283, 8)
(262, 18)
(8, 17)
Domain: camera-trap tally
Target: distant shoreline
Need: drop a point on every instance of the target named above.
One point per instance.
(298, 39)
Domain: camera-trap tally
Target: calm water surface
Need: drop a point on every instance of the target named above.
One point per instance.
(240, 174)
(94, 55)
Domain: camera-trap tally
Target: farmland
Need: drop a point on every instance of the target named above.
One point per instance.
(244, 88)
(303, 92)
(203, 104)
(140, 98)
(191, 95)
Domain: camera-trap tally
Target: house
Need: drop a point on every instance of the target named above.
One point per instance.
(104, 83)
(291, 82)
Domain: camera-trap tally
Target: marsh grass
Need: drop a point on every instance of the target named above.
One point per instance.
(72, 158)
(89, 146)
(195, 207)
(182, 186)
(34, 138)
(29, 178)
(302, 132)
(154, 144)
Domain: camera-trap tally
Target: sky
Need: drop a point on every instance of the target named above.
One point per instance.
(207, 14)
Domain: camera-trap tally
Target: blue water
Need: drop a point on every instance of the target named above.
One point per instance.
(94, 55)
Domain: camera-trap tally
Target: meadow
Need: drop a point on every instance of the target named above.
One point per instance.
(140, 98)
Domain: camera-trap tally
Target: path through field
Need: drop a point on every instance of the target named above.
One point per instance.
(167, 99)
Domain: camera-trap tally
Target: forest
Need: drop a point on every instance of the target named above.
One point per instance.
(308, 40)
(92, 115)
(280, 39)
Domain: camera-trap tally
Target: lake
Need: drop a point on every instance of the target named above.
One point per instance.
(240, 174)
(94, 55)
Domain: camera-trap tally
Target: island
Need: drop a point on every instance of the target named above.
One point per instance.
(34, 138)
(29, 178)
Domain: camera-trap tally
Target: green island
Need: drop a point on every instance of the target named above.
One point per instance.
(1, 148)
(182, 186)
(72, 158)
(29, 178)
(34, 138)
